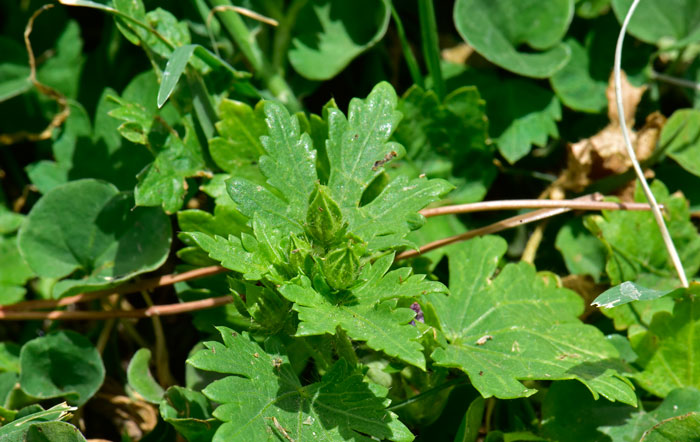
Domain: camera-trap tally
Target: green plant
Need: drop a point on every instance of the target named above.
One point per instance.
(264, 221)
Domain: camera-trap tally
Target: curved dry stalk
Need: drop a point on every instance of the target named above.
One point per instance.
(533, 204)
(50, 92)
(672, 252)
(156, 310)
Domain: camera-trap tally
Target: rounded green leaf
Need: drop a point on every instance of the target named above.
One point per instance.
(90, 230)
(498, 29)
(61, 364)
(328, 35)
(680, 137)
(141, 379)
(662, 22)
(190, 413)
(575, 85)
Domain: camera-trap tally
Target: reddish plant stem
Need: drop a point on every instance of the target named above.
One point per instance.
(156, 310)
(507, 223)
(532, 204)
(146, 284)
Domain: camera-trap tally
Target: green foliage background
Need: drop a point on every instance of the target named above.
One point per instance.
(294, 144)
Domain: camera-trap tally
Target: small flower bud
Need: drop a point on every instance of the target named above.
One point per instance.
(324, 220)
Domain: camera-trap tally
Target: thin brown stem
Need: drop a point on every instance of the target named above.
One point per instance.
(146, 284)
(156, 310)
(492, 228)
(532, 204)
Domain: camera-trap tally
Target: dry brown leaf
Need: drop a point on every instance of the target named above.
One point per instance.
(136, 417)
(604, 153)
(457, 54)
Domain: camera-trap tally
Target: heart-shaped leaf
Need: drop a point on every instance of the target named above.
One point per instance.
(91, 231)
(662, 22)
(61, 364)
(498, 29)
(328, 34)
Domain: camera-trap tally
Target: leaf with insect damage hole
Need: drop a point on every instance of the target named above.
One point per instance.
(367, 312)
(358, 150)
(517, 326)
(629, 292)
(263, 399)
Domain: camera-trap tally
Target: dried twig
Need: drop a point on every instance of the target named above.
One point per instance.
(50, 92)
(533, 204)
(146, 284)
(491, 228)
(156, 310)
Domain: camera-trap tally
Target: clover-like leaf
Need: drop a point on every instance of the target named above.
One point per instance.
(660, 23)
(141, 379)
(238, 149)
(582, 82)
(515, 125)
(61, 364)
(678, 403)
(666, 350)
(569, 412)
(163, 181)
(680, 137)
(328, 35)
(86, 149)
(264, 398)
(99, 239)
(14, 271)
(514, 327)
(447, 140)
(642, 258)
(582, 252)
(496, 30)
